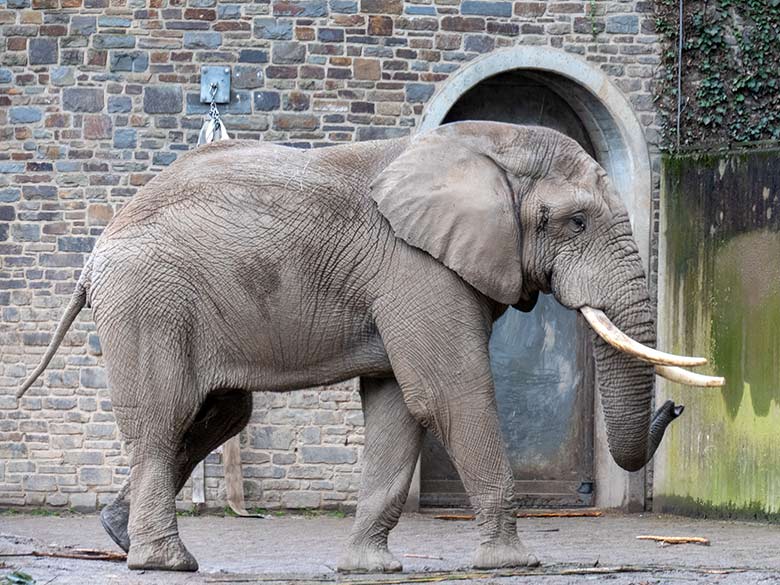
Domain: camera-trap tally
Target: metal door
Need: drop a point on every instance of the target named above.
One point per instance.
(541, 360)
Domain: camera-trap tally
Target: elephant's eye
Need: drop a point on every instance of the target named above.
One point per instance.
(577, 224)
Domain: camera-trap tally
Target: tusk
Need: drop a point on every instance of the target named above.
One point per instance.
(609, 332)
(689, 378)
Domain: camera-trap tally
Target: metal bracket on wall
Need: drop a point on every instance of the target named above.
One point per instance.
(218, 77)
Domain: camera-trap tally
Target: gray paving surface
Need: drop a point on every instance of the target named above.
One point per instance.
(298, 549)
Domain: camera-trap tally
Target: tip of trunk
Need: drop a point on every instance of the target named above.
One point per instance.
(629, 463)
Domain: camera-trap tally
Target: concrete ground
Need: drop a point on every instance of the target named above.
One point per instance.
(303, 549)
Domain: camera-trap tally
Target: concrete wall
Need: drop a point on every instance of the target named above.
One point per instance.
(720, 297)
(96, 97)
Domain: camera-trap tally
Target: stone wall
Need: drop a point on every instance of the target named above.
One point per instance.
(96, 96)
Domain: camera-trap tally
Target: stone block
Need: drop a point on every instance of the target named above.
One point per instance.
(75, 244)
(344, 6)
(247, 77)
(285, 53)
(296, 101)
(83, 502)
(84, 457)
(39, 483)
(381, 6)
(61, 76)
(100, 430)
(275, 29)
(367, 69)
(82, 99)
(38, 192)
(125, 138)
(6, 75)
(380, 132)
(26, 232)
(479, 43)
(419, 92)
(42, 51)
(334, 455)
(99, 214)
(56, 499)
(62, 260)
(113, 42)
(11, 167)
(463, 24)
(530, 9)
(97, 126)
(253, 56)
(330, 35)
(115, 21)
(297, 500)
(483, 8)
(380, 25)
(119, 104)
(163, 99)
(133, 61)
(24, 115)
(202, 40)
(269, 437)
(295, 122)
(59, 402)
(301, 8)
(163, 158)
(625, 24)
(93, 343)
(265, 101)
(93, 377)
(229, 11)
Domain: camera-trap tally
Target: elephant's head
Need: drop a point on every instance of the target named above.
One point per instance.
(520, 210)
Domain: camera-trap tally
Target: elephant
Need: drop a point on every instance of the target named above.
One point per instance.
(247, 266)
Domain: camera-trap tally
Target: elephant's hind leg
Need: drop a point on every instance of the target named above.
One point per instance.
(392, 444)
(222, 415)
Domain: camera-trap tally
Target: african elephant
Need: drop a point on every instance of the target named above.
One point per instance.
(247, 266)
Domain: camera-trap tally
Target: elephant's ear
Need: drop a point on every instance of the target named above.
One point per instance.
(447, 196)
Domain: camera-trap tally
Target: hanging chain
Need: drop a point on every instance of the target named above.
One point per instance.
(213, 111)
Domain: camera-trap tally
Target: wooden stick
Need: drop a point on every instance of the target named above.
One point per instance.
(415, 556)
(676, 539)
(558, 514)
(562, 514)
(84, 554)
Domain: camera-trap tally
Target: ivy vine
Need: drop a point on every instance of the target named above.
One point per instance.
(730, 71)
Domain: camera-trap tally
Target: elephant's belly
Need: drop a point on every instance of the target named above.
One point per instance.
(295, 362)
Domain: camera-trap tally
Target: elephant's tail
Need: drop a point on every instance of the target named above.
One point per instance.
(77, 302)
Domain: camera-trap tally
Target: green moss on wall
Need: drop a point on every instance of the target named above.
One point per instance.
(721, 299)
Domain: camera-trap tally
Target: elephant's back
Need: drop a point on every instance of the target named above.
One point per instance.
(220, 174)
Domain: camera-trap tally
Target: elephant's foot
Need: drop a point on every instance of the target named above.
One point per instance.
(368, 559)
(114, 518)
(164, 554)
(498, 555)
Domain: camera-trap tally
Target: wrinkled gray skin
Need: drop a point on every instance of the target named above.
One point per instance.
(247, 266)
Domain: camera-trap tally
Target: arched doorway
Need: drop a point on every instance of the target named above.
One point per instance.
(541, 361)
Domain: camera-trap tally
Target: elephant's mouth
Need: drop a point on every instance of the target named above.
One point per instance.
(667, 365)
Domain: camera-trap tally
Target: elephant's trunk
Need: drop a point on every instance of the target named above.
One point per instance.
(661, 419)
(626, 384)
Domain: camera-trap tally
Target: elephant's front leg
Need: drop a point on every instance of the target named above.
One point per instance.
(448, 386)
(392, 444)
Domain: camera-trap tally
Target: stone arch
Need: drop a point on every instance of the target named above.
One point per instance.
(620, 146)
(612, 125)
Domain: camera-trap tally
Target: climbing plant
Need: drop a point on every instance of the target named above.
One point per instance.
(730, 71)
